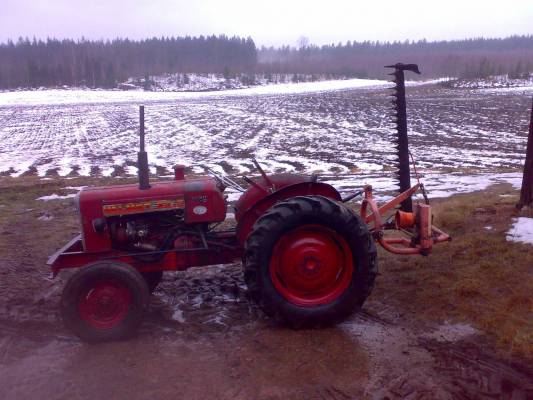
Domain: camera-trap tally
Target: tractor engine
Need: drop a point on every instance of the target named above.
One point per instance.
(131, 219)
(145, 232)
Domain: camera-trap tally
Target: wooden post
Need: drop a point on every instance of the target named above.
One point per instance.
(526, 194)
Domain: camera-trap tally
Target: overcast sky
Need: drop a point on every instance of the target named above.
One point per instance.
(269, 22)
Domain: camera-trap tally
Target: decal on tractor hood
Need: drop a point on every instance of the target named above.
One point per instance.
(137, 207)
(199, 210)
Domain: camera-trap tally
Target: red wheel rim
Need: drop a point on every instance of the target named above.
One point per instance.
(105, 304)
(311, 265)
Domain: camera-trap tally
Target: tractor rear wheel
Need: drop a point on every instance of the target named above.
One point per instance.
(310, 261)
(104, 301)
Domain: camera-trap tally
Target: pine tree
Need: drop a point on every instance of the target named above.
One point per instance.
(147, 85)
(110, 80)
(227, 74)
(516, 73)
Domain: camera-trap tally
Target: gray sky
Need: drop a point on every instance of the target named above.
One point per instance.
(269, 22)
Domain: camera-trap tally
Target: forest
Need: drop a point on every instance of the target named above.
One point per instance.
(470, 58)
(37, 63)
(104, 64)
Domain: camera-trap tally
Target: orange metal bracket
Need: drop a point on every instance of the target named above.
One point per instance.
(391, 204)
(431, 235)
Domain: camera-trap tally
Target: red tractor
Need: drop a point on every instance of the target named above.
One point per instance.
(308, 259)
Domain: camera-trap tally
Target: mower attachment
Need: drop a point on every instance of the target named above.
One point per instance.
(417, 225)
(400, 119)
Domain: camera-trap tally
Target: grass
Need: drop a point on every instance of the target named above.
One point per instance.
(20, 228)
(478, 278)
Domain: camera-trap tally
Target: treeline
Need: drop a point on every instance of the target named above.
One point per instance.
(103, 64)
(471, 58)
(35, 63)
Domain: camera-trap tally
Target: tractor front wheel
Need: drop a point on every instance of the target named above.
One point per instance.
(310, 261)
(104, 301)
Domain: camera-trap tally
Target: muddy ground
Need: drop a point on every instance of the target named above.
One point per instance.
(203, 339)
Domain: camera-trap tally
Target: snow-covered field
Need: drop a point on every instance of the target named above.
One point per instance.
(338, 129)
(85, 96)
(495, 82)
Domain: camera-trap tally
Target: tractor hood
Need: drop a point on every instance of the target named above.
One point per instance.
(200, 201)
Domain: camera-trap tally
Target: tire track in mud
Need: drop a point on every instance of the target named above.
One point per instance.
(480, 376)
(215, 299)
(426, 368)
(192, 300)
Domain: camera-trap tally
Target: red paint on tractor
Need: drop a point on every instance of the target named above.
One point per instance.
(203, 202)
(256, 204)
(223, 250)
(261, 188)
(311, 265)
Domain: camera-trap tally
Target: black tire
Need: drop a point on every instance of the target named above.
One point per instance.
(78, 289)
(153, 279)
(287, 216)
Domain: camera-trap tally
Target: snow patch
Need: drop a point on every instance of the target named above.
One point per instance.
(177, 315)
(438, 185)
(520, 89)
(427, 82)
(521, 231)
(78, 96)
(45, 217)
(76, 188)
(54, 196)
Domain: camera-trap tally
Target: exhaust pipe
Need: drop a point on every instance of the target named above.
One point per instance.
(142, 156)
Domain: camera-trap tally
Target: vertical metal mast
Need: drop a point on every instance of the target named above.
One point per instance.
(400, 118)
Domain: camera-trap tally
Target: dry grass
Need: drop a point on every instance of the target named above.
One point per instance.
(20, 211)
(479, 277)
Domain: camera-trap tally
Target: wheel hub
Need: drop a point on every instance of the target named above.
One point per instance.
(311, 265)
(105, 304)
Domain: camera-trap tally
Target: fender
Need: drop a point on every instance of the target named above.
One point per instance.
(247, 220)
